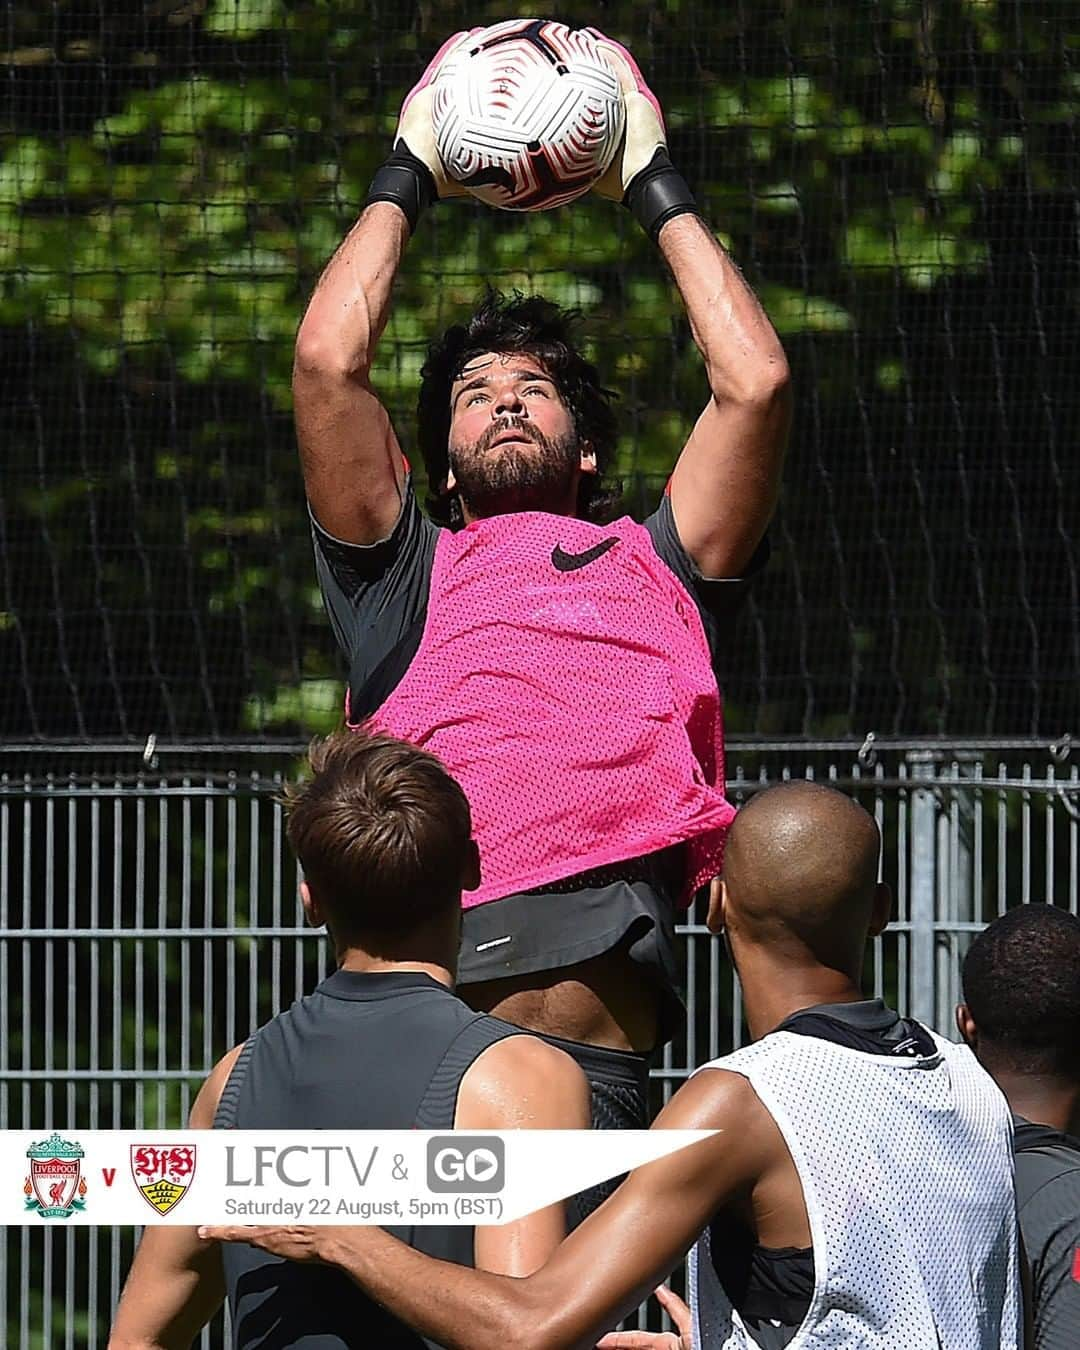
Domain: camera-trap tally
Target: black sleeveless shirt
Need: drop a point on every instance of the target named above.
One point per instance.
(377, 1051)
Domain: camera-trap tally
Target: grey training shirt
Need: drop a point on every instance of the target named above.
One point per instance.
(1048, 1202)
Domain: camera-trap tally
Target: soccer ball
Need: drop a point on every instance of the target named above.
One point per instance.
(527, 114)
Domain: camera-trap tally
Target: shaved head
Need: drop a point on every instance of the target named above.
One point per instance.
(800, 874)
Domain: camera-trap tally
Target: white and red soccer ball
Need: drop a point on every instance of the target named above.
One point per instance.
(528, 114)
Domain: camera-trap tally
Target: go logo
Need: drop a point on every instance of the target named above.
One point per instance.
(465, 1164)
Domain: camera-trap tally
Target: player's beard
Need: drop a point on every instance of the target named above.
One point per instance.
(492, 482)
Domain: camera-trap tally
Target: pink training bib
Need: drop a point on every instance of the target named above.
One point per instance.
(564, 679)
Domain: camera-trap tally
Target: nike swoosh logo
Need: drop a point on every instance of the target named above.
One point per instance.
(570, 562)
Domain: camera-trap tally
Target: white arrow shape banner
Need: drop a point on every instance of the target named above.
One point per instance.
(548, 1165)
(387, 1177)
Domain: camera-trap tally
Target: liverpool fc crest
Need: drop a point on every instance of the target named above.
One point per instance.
(55, 1186)
(163, 1173)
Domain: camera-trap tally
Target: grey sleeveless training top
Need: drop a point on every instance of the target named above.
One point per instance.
(363, 1052)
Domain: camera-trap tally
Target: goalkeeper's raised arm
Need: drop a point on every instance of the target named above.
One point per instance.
(353, 467)
(725, 484)
(600, 806)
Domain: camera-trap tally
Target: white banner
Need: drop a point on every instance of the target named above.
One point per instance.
(387, 1177)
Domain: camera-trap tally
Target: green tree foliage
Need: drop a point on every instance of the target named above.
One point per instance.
(897, 178)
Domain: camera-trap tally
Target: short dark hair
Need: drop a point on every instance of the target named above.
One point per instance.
(382, 832)
(1021, 981)
(516, 323)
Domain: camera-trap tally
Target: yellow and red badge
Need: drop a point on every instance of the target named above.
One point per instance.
(163, 1173)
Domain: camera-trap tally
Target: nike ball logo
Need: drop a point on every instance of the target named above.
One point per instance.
(570, 562)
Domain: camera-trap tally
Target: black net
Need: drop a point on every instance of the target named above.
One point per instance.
(898, 178)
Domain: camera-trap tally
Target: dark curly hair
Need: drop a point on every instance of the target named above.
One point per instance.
(516, 323)
(1021, 981)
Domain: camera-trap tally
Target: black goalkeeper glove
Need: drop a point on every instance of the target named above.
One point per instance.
(642, 176)
(413, 176)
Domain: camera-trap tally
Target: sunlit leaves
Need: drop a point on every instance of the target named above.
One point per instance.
(850, 155)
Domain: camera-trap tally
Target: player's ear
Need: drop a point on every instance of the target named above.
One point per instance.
(451, 481)
(965, 1025)
(470, 873)
(881, 909)
(312, 912)
(588, 459)
(714, 919)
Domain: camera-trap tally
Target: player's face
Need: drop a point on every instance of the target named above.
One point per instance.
(513, 443)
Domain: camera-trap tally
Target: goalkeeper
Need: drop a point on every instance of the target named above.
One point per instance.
(563, 670)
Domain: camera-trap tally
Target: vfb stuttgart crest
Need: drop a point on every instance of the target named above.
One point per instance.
(55, 1186)
(163, 1172)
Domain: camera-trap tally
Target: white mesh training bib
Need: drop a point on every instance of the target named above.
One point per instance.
(906, 1168)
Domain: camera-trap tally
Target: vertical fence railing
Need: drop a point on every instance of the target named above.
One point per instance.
(149, 921)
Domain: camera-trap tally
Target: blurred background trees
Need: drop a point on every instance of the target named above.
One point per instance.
(898, 178)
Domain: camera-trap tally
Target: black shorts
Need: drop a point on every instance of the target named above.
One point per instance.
(546, 930)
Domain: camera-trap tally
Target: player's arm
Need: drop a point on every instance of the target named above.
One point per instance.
(603, 1269)
(727, 478)
(175, 1284)
(726, 481)
(352, 463)
(521, 1083)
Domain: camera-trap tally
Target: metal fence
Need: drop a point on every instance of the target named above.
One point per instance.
(149, 920)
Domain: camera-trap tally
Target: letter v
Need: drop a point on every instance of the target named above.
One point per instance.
(362, 1177)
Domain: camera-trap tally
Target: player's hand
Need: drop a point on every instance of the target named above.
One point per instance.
(645, 131)
(680, 1339)
(295, 1242)
(413, 177)
(642, 175)
(416, 130)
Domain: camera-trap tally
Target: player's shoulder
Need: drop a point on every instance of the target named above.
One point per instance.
(412, 533)
(525, 1058)
(204, 1108)
(717, 1098)
(746, 1141)
(521, 1079)
(721, 1092)
(1046, 1177)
